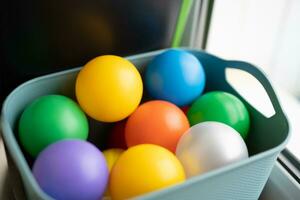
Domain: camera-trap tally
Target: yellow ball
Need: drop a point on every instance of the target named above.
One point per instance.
(109, 88)
(111, 156)
(144, 168)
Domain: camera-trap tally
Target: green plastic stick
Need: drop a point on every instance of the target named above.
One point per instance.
(181, 22)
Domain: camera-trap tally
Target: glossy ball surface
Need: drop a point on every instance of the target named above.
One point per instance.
(221, 107)
(176, 76)
(109, 88)
(144, 168)
(209, 145)
(49, 119)
(111, 157)
(156, 122)
(71, 169)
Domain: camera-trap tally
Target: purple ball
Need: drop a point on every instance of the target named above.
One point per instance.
(71, 169)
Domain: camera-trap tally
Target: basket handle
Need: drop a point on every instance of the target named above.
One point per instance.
(251, 69)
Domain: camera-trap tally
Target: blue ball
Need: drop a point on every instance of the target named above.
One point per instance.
(176, 76)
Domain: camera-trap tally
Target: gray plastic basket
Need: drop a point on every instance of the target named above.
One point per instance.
(241, 180)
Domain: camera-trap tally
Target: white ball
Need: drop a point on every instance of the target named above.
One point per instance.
(209, 145)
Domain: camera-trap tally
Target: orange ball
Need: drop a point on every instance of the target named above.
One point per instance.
(156, 122)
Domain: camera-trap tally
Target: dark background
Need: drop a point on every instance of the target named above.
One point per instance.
(42, 36)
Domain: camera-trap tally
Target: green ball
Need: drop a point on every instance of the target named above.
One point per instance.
(221, 107)
(49, 119)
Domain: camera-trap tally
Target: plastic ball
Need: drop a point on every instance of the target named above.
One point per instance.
(144, 168)
(209, 145)
(116, 138)
(176, 76)
(156, 122)
(221, 107)
(49, 119)
(71, 169)
(109, 88)
(111, 157)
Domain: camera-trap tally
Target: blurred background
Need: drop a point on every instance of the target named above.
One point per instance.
(39, 37)
(42, 37)
(265, 33)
